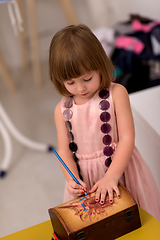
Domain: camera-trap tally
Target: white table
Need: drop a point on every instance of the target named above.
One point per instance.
(146, 113)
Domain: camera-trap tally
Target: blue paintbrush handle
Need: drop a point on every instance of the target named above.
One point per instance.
(68, 170)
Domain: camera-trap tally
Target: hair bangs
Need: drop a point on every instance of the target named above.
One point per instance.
(73, 65)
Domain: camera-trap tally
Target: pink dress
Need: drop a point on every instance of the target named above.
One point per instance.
(137, 178)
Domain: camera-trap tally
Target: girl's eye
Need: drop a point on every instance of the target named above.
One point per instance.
(70, 83)
(87, 80)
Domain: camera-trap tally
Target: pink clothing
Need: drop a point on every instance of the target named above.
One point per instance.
(138, 26)
(137, 177)
(130, 44)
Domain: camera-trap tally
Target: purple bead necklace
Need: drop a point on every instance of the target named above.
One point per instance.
(67, 114)
(105, 128)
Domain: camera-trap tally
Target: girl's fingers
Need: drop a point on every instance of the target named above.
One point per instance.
(73, 184)
(116, 189)
(100, 195)
(83, 185)
(79, 192)
(75, 189)
(103, 196)
(97, 195)
(93, 189)
(110, 193)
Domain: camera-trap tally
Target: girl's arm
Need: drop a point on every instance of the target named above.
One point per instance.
(124, 149)
(66, 154)
(126, 132)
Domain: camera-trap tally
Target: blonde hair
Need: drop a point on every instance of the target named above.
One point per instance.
(74, 51)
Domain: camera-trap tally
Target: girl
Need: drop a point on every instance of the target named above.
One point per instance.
(94, 123)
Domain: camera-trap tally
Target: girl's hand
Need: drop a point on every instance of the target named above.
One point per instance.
(103, 186)
(75, 189)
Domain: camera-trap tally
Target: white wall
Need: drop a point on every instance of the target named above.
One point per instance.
(50, 18)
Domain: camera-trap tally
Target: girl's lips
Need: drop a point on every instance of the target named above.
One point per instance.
(84, 94)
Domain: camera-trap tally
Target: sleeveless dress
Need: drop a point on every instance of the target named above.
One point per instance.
(137, 177)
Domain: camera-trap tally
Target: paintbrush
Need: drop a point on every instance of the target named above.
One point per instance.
(68, 170)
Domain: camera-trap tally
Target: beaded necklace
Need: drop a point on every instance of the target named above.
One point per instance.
(105, 116)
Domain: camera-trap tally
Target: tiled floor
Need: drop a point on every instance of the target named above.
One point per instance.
(34, 181)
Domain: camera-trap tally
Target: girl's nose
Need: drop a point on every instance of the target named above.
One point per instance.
(81, 88)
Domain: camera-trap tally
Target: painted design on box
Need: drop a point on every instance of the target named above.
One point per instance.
(88, 209)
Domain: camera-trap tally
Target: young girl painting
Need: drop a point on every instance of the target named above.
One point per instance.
(94, 122)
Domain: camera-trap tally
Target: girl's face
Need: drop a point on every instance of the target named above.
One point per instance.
(84, 87)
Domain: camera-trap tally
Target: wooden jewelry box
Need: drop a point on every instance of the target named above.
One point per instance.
(85, 219)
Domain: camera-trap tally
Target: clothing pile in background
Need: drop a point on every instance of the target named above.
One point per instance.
(134, 47)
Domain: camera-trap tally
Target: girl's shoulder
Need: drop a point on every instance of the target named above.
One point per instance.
(120, 98)
(117, 87)
(60, 104)
(57, 110)
(118, 91)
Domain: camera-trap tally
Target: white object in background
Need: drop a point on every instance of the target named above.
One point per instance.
(7, 147)
(106, 36)
(146, 113)
(14, 14)
(19, 137)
